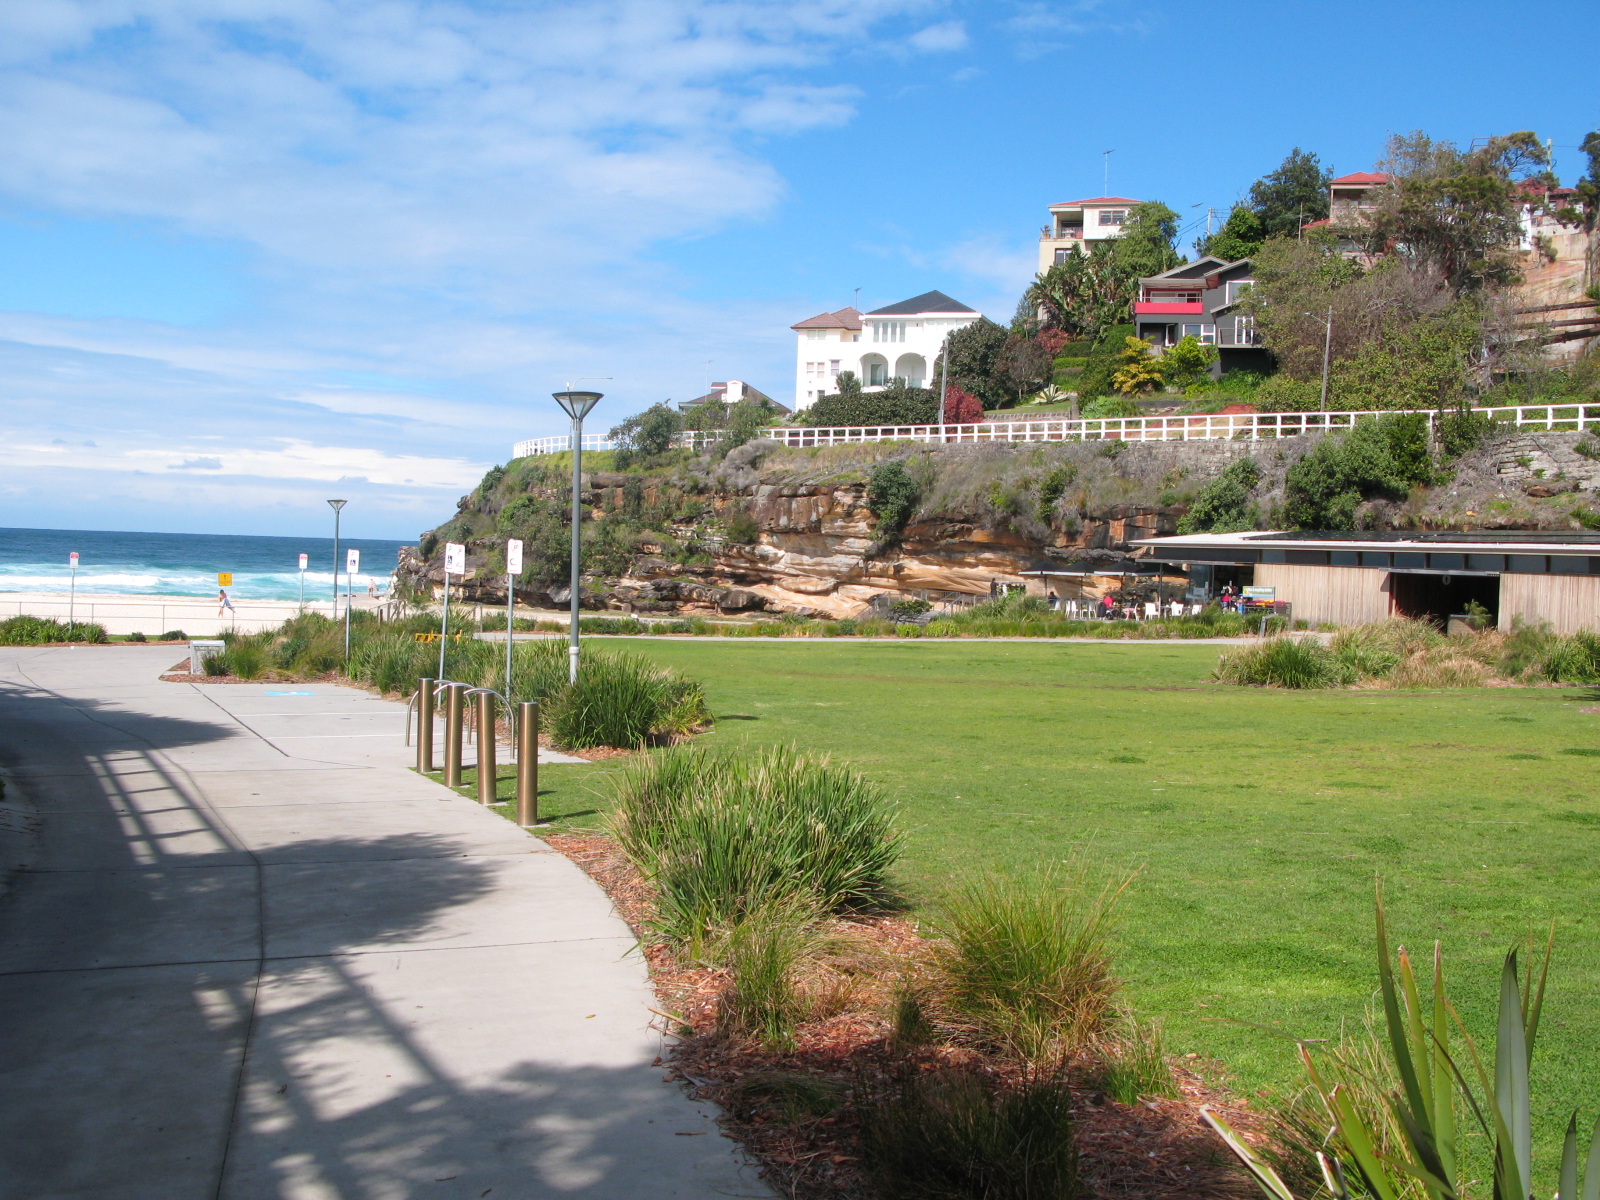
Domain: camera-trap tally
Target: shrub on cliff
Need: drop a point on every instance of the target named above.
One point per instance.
(892, 497)
(1224, 504)
(1383, 458)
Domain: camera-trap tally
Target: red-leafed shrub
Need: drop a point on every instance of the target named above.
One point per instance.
(1052, 340)
(961, 408)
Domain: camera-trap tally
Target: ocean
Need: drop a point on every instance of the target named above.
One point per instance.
(184, 564)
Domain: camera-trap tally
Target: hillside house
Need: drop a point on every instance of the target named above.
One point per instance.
(900, 341)
(1081, 223)
(1200, 300)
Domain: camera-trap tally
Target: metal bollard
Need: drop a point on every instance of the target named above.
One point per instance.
(454, 711)
(425, 724)
(528, 763)
(488, 774)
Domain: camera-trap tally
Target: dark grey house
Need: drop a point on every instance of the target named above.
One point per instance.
(1200, 299)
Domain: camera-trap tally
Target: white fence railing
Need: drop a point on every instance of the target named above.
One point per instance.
(1194, 427)
(560, 444)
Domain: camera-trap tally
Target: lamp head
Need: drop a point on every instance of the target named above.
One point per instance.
(577, 405)
(336, 505)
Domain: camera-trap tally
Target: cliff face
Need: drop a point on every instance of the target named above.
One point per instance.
(791, 531)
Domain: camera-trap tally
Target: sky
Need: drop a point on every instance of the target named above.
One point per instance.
(258, 253)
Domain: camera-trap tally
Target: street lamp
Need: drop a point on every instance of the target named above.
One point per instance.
(576, 405)
(1327, 346)
(337, 506)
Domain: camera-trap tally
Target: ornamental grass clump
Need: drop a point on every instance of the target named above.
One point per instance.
(40, 631)
(762, 954)
(1282, 662)
(959, 1135)
(722, 834)
(1026, 964)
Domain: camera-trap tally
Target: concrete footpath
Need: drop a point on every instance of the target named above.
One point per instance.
(246, 954)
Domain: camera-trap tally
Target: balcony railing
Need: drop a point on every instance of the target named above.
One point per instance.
(1071, 234)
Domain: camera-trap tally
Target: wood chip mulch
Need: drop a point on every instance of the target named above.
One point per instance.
(1158, 1149)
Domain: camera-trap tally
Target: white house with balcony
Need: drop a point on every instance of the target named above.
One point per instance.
(900, 341)
(1081, 223)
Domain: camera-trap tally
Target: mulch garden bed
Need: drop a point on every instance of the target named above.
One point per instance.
(1158, 1149)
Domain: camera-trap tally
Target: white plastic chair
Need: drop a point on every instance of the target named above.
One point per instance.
(1196, 609)
(1151, 611)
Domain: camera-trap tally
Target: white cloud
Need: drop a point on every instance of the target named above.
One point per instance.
(949, 35)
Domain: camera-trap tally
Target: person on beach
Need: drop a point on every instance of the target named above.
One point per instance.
(223, 603)
(372, 589)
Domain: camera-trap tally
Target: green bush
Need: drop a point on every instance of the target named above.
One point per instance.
(1027, 960)
(1383, 457)
(1572, 659)
(892, 497)
(957, 1135)
(40, 631)
(246, 656)
(722, 834)
(1282, 662)
(1224, 504)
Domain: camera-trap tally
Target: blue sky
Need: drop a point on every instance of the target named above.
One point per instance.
(253, 252)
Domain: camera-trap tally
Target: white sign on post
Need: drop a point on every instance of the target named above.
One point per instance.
(352, 561)
(514, 556)
(72, 559)
(455, 559)
(304, 559)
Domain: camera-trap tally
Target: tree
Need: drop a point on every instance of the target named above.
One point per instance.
(1240, 237)
(892, 497)
(1137, 369)
(1383, 458)
(974, 351)
(1085, 294)
(1292, 196)
(1585, 209)
(1456, 213)
(1224, 504)
(1145, 247)
(648, 433)
(1025, 363)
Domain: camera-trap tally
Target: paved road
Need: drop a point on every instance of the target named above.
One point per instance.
(244, 953)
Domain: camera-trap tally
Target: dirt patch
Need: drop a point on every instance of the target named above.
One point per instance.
(1158, 1149)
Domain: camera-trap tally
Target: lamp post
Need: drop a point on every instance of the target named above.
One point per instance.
(337, 506)
(1327, 347)
(576, 405)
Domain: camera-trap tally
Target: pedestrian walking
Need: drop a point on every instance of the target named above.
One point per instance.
(223, 603)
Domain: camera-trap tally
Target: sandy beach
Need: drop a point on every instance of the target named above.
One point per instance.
(155, 615)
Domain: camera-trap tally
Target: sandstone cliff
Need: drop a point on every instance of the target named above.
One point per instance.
(768, 529)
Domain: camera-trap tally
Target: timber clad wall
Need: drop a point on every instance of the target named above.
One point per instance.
(1330, 595)
(1568, 602)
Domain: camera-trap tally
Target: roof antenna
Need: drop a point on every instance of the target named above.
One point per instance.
(857, 304)
(1108, 155)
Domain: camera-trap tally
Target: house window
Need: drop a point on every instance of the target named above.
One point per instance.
(1244, 331)
(877, 374)
(1237, 287)
(888, 331)
(1113, 216)
(816, 335)
(833, 367)
(1206, 335)
(1062, 254)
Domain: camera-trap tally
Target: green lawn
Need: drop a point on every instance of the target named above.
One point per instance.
(1258, 818)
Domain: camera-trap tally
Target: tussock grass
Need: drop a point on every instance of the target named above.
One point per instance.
(763, 952)
(1135, 1061)
(786, 1095)
(39, 631)
(1027, 961)
(723, 834)
(1282, 662)
(953, 1135)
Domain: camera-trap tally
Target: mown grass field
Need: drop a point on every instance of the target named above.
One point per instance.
(1258, 820)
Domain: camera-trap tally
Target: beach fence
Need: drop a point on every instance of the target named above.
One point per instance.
(155, 615)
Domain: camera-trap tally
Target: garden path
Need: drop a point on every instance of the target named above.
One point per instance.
(246, 953)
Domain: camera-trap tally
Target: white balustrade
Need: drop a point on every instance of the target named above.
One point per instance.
(1189, 427)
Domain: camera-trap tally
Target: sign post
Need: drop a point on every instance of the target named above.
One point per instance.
(304, 559)
(513, 569)
(72, 593)
(455, 563)
(352, 564)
